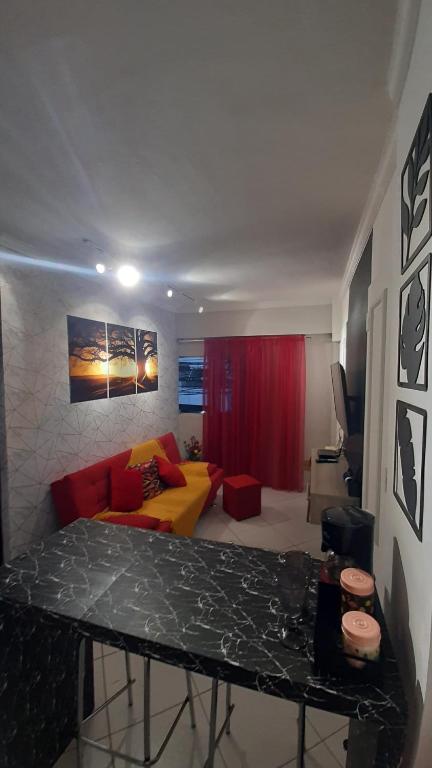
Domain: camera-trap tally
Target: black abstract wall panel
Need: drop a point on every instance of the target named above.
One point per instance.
(416, 217)
(409, 462)
(414, 309)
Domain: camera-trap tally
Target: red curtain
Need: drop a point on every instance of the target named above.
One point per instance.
(254, 401)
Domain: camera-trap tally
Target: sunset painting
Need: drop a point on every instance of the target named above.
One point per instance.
(122, 367)
(88, 365)
(146, 361)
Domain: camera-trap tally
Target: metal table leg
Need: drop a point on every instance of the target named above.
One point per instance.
(191, 701)
(129, 677)
(80, 703)
(212, 729)
(147, 715)
(301, 735)
(147, 760)
(228, 709)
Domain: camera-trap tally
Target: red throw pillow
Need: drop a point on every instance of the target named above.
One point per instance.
(126, 490)
(150, 479)
(170, 474)
(165, 526)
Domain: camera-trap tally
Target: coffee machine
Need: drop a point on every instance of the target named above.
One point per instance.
(347, 538)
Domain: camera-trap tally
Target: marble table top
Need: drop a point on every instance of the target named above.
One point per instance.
(207, 606)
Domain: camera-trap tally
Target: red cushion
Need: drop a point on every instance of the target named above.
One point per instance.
(165, 526)
(137, 521)
(242, 481)
(169, 444)
(140, 521)
(170, 474)
(151, 482)
(126, 490)
(242, 496)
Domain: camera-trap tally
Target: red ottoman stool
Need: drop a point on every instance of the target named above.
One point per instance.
(242, 496)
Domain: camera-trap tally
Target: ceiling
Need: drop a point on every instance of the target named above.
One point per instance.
(225, 147)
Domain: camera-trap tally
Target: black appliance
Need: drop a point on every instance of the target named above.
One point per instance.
(348, 538)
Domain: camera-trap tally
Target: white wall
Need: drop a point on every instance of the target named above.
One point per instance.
(44, 435)
(403, 563)
(283, 320)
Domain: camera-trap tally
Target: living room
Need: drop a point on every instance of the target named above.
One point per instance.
(215, 299)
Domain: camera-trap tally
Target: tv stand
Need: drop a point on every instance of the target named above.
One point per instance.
(327, 487)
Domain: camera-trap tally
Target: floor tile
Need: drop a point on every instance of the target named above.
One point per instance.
(275, 537)
(318, 757)
(168, 688)
(263, 729)
(325, 723)
(313, 547)
(273, 514)
(301, 530)
(336, 747)
(97, 651)
(107, 650)
(187, 748)
(214, 528)
(92, 759)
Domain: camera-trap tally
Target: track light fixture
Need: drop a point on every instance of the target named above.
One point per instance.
(128, 275)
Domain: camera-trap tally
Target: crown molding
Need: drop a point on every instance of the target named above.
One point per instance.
(403, 43)
(407, 16)
(376, 195)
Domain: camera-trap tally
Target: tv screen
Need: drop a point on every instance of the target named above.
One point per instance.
(340, 397)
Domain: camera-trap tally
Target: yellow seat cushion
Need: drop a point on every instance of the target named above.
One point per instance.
(145, 452)
(182, 506)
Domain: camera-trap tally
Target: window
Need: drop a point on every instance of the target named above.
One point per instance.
(190, 387)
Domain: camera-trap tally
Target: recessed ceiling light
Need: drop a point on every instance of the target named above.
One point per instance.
(200, 310)
(170, 293)
(101, 268)
(128, 275)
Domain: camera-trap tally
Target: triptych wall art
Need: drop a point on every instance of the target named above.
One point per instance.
(108, 360)
(414, 318)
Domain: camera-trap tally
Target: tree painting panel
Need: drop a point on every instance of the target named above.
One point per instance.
(409, 462)
(121, 360)
(416, 216)
(88, 365)
(414, 304)
(147, 361)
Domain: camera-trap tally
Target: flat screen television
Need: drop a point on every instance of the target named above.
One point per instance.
(341, 400)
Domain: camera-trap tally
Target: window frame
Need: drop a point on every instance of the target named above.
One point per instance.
(188, 407)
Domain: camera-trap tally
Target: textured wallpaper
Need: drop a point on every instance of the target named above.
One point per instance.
(43, 435)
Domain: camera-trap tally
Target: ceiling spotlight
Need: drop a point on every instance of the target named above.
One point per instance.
(200, 310)
(101, 268)
(170, 293)
(128, 275)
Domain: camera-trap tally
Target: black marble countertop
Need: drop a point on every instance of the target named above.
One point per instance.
(206, 606)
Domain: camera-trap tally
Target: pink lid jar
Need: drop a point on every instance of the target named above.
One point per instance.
(361, 637)
(358, 590)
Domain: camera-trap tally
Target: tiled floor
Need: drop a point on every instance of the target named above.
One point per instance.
(264, 729)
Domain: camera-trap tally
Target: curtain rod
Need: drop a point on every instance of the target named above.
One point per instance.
(186, 341)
